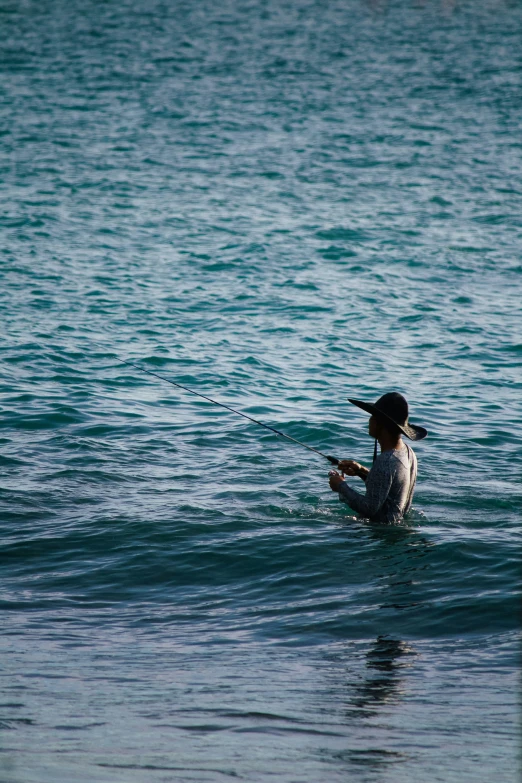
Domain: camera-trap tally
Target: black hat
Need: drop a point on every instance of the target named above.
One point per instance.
(393, 406)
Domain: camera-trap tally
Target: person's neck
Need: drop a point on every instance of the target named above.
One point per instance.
(390, 442)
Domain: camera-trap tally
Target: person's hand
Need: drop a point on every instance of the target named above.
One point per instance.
(350, 467)
(335, 480)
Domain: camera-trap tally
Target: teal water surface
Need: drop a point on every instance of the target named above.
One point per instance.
(279, 205)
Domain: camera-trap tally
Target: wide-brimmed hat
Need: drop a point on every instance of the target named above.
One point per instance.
(393, 407)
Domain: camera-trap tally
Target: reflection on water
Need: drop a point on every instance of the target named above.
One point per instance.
(401, 554)
(368, 698)
(405, 553)
(384, 683)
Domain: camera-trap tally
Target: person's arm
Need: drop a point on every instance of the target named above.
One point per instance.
(378, 486)
(352, 468)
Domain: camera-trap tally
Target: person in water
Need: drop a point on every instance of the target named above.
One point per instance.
(391, 481)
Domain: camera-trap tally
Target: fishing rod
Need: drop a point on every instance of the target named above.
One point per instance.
(333, 460)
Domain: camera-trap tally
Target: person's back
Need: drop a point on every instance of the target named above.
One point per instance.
(389, 487)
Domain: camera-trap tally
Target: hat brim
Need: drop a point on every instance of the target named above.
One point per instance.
(412, 431)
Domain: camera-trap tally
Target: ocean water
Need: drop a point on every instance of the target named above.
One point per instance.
(279, 204)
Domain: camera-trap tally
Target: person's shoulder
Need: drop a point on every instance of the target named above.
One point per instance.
(384, 459)
(400, 456)
(405, 456)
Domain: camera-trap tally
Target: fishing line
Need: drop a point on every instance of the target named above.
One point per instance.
(333, 460)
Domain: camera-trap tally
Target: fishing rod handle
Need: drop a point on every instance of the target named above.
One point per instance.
(333, 460)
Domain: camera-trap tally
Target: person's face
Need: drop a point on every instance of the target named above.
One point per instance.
(373, 427)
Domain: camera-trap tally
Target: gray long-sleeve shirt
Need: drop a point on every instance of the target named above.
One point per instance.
(389, 487)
